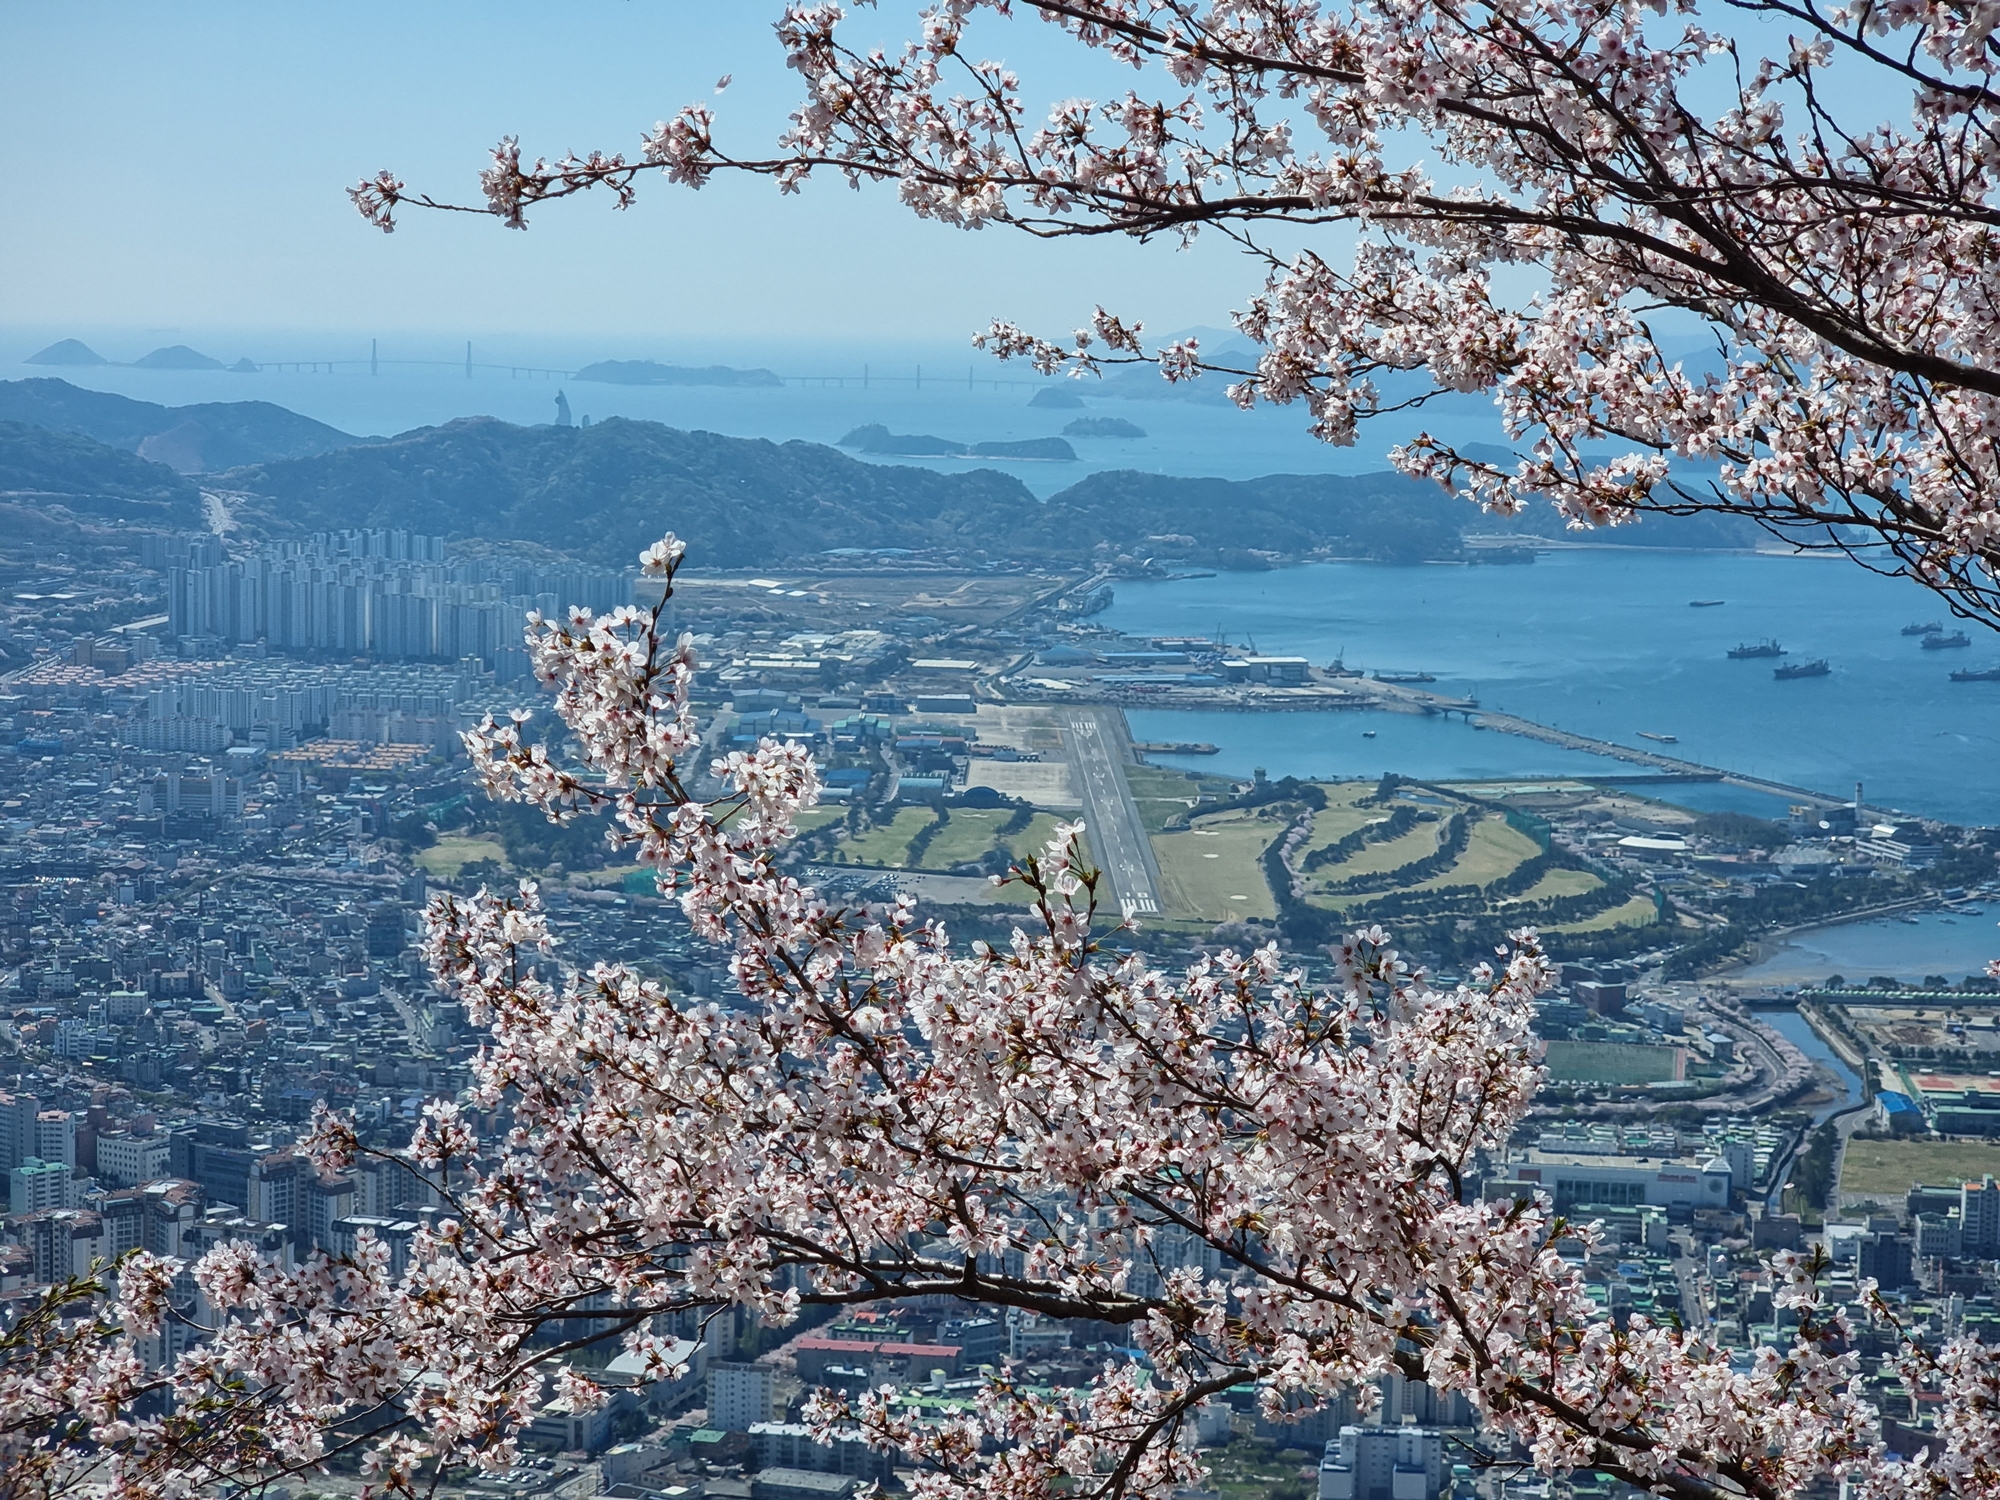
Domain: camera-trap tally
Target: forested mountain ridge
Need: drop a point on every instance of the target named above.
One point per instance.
(606, 490)
(203, 438)
(609, 489)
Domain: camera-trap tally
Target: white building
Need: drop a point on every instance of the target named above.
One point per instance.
(1383, 1463)
(740, 1395)
(126, 1160)
(1573, 1181)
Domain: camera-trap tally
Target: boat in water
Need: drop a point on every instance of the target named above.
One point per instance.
(1368, 734)
(1947, 642)
(1659, 739)
(1933, 628)
(1802, 669)
(1404, 677)
(1976, 674)
(1751, 653)
(1705, 603)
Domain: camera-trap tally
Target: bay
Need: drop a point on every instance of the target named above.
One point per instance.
(1947, 943)
(1603, 642)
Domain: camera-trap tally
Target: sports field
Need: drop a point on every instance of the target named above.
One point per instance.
(1612, 1062)
(449, 855)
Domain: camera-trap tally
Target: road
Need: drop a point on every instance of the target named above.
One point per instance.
(1117, 837)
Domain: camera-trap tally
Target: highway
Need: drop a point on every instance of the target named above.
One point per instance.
(1117, 838)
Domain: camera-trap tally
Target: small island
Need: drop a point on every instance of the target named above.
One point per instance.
(177, 357)
(877, 439)
(67, 352)
(1056, 397)
(1103, 427)
(1051, 449)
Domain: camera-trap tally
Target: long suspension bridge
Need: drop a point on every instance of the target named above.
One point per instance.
(866, 378)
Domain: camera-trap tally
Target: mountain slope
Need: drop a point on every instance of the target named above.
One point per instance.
(204, 438)
(44, 470)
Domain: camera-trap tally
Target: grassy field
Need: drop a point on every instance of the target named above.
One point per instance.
(1559, 883)
(1885, 1169)
(1211, 872)
(1372, 859)
(887, 844)
(974, 830)
(1160, 794)
(969, 834)
(1635, 912)
(1492, 850)
(1609, 1062)
(449, 855)
(1340, 816)
(818, 817)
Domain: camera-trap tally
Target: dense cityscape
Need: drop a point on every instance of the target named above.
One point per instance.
(235, 778)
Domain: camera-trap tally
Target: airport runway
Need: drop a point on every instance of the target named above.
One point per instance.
(1118, 840)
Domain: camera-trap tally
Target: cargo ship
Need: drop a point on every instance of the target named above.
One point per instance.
(1404, 677)
(1947, 642)
(1933, 628)
(1751, 653)
(1802, 669)
(1705, 603)
(1976, 674)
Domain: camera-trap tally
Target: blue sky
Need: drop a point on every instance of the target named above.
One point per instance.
(180, 172)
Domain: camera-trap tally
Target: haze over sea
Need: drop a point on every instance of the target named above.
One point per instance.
(1598, 640)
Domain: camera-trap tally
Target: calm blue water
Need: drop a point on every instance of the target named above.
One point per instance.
(1936, 943)
(1603, 642)
(1795, 1029)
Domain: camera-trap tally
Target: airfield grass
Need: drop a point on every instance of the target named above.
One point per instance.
(887, 845)
(449, 855)
(974, 830)
(1204, 888)
(969, 834)
(1160, 794)
(1885, 1169)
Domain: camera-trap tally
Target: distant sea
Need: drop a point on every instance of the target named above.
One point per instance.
(1603, 642)
(958, 399)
